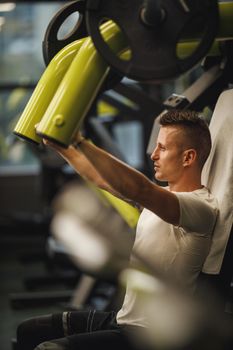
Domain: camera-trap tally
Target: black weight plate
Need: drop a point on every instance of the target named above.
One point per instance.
(51, 44)
(153, 49)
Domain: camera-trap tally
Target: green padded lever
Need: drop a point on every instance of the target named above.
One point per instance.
(44, 92)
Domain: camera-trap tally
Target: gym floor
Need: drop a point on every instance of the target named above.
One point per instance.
(20, 259)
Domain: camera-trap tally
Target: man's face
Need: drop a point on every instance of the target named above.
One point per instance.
(168, 154)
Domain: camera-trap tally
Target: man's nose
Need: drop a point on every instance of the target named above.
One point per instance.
(154, 154)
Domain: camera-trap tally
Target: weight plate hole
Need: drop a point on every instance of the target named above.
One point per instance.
(69, 26)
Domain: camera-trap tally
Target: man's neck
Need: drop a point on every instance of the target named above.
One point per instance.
(186, 184)
(187, 188)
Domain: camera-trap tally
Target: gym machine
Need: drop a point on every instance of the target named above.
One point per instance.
(124, 42)
(151, 42)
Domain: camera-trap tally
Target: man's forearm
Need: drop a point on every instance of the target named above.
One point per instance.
(121, 177)
(116, 177)
(132, 184)
(80, 164)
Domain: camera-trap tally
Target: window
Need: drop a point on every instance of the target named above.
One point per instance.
(22, 28)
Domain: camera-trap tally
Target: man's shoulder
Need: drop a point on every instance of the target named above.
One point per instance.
(198, 210)
(202, 193)
(205, 194)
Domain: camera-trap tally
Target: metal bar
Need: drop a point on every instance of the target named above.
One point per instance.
(27, 299)
(226, 16)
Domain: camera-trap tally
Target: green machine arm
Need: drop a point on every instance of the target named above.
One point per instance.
(44, 92)
(67, 89)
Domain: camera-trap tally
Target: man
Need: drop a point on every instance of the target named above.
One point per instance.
(173, 232)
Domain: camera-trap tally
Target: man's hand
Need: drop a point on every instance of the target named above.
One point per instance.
(52, 145)
(77, 139)
(78, 161)
(62, 151)
(69, 152)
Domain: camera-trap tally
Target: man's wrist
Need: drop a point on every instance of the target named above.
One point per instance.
(77, 143)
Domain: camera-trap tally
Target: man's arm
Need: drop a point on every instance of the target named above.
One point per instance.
(78, 161)
(132, 184)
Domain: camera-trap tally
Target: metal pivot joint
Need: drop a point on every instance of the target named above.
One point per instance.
(152, 14)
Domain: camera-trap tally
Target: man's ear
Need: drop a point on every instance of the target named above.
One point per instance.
(189, 157)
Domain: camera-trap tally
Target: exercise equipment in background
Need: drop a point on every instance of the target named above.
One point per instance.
(67, 106)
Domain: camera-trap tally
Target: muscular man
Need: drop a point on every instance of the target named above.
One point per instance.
(173, 232)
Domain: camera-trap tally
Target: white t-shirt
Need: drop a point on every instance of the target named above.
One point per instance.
(176, 250)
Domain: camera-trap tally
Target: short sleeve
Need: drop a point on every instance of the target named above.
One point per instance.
(197, 214)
